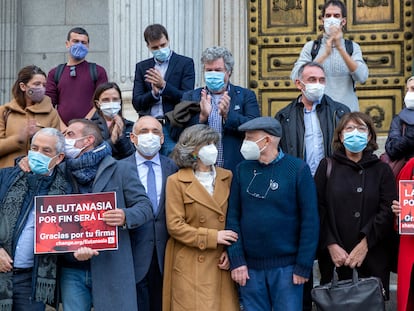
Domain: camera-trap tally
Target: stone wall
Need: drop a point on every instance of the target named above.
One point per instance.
(34, 32)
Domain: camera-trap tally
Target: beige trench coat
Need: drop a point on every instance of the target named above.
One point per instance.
(13, 120)
(192, 279)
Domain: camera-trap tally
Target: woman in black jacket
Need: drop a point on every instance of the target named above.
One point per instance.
(355, 197)
(108, 116)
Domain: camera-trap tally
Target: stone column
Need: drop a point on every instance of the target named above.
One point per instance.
(225, 23)
(127, 22)
(9, 16)
(192, 25)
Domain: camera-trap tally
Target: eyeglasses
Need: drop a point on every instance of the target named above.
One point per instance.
(273, 185)
(72, 71)
(360, 128)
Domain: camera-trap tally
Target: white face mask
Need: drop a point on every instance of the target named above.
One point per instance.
(148, 144)
(409, 100)
(71, 151)
(110, 109)
(313, 91)
(331, 21)
(208, 154)
(250, 150)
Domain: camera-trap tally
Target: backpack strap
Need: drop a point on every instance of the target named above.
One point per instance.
(93, 72)
(349, 47)
(315, 48)
(58, 73)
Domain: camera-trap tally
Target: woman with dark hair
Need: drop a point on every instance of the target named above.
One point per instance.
(115, 129)
(355, 192)
(196, 266)
(29, 111)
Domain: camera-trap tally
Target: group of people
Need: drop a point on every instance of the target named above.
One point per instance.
(199, 228)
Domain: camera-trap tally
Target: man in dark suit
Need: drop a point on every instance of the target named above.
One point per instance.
(223, 106)
(161, 81)
(149, 240)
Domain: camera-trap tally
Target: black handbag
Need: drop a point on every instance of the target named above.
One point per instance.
(366, 294)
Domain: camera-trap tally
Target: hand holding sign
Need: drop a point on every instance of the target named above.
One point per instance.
(115, 217)
(85, 253)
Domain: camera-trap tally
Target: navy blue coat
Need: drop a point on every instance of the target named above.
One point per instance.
(154, 231)
(180, 77)
(243, 107)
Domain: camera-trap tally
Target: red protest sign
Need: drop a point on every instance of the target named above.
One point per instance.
(63, 223)
(406, 219)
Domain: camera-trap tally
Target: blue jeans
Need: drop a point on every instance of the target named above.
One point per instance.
(22, 294)
(271, 289)
(76, 289)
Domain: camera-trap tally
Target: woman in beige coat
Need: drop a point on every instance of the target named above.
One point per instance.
(196, 275)
(29, 111)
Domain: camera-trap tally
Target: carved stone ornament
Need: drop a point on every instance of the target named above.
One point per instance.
(372, 3)
(286, 5)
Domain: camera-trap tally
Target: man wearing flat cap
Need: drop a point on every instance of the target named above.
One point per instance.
(273, 208)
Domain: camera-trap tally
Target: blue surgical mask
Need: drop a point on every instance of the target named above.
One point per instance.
(38, 162)
(355, 141)
(214, 80)
(162, 54)
(78, 51)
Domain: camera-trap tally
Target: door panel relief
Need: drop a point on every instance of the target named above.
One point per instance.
(278, 29)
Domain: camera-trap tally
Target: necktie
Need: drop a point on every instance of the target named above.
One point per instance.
(215, 121)
(151, 187)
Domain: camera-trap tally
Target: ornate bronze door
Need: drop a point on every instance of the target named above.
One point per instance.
(278, 29)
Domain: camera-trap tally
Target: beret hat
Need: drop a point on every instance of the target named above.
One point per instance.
(268, 124)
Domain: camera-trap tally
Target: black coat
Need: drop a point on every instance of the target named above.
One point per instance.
(123, 147)
(400, 140)
(293, 127)
(354, 202)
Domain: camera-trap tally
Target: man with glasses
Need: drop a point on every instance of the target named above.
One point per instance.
(224, 106)
(71, 85)
(273, 209)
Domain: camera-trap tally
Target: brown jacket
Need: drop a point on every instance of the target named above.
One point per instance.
(13, 122)
(192, 279)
